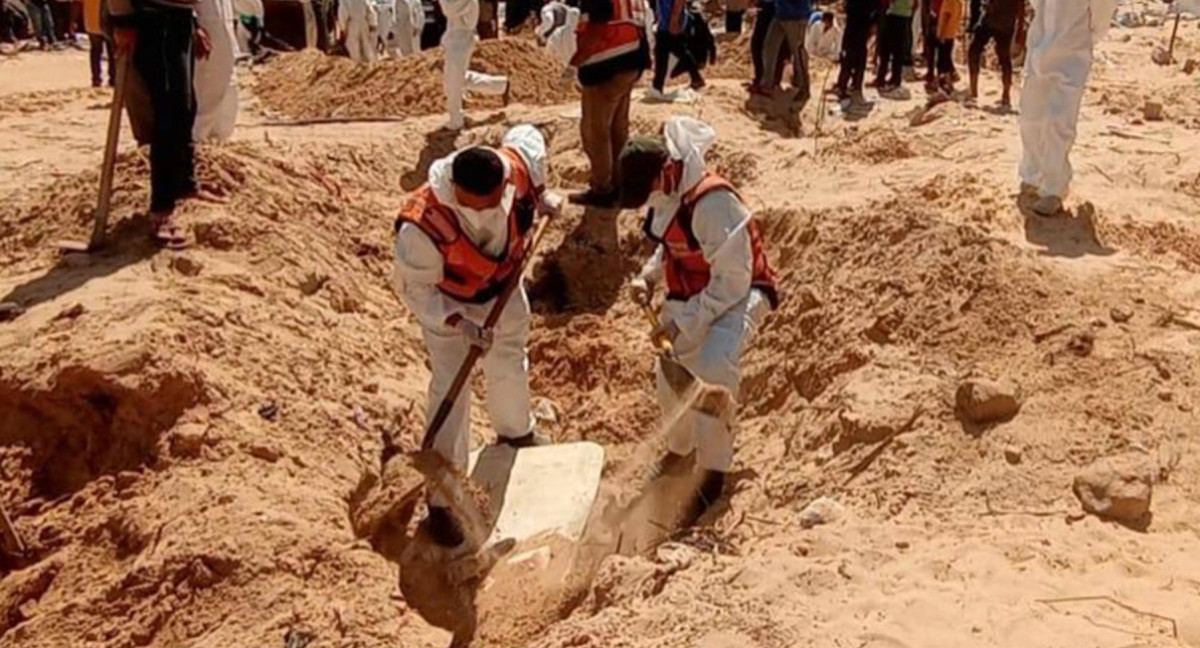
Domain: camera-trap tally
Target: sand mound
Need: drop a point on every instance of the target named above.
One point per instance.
(310, 85)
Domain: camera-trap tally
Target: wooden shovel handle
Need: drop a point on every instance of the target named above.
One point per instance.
(108, 170)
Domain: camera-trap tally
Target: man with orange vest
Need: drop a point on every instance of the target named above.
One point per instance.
(459, 239)
(719, 284)
(611, 53)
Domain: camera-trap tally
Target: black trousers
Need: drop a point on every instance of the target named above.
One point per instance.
(979, 42)
(164, 59)
(891, 50)
(666, 44)
(945, 56)
(758, 39)
(100, 45)
(854, 56)
(733, 21)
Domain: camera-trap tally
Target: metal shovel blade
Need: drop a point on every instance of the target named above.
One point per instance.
(678, 378)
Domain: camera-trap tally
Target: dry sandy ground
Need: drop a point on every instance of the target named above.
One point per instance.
(183, 431)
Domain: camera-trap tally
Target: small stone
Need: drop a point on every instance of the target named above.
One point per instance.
(1160, 56)
(1185, 407)
(1152, 111)
(986, 401)
(1013, 455)
(902, 545)
(1190, 66)
(265, 452)
(1082, 343)
(1116, 489)
(1120, 314)
(823, 510)
(1166, 396)
(674, 556)
(545, 410)
(268, 411)
(188, 440)
(312, 283)
(186, 265)
(371, 387)
(71, 312)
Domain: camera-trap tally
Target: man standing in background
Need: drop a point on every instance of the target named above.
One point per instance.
(162, 37)
(1057, 65)
(611, 53)
(860, 16)
(43, 17)
(999, 23)
(359, 21)
(462, 19)
(100, 43)
(790, 27)
(670, 40)
(897, 22)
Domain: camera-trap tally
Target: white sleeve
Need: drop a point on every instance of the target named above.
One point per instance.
(547, 22)
(528, 140)
(720, 223)
(343, 14)
(416, 275)
(652, 271)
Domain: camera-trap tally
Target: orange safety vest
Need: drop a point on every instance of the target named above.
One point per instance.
(687, 271)
(468, 273)
(597, 42)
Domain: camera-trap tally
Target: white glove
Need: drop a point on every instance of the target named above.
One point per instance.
(476, 335)
(550, 205)
(641, 290)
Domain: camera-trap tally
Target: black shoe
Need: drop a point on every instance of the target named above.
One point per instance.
(531, 440)
(699, 83)
(709, 492)
(593, 198)
(443, 528)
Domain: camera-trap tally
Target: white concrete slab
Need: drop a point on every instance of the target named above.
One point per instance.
(533, 491)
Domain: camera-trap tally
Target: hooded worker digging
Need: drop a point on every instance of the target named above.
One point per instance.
(719, 287)
(460, 240)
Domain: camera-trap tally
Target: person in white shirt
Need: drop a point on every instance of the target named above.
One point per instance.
(462, 20)
(719, 284)
(214, 82)
(557, 30)
(824, 38)
(459, 239)
(360, 22)
(1057, 63)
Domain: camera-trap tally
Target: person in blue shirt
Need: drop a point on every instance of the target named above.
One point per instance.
(671, 38)
(790, 26)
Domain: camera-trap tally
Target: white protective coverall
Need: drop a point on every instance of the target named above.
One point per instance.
(559, 33)
(400, 24)
(1059, 59)
(214, 82)
(360, 21)
(821, 42)
(462, 19)
(506, 365)
(717, 325)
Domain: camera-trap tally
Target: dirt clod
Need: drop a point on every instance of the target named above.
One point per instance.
(987, 401)
(1116, 488)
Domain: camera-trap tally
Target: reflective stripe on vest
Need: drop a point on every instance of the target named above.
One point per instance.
(468, 273)
(598, 42)
(687, 271)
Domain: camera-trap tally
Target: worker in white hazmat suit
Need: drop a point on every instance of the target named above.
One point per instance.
(214, 82)
(719, 284)
(250, 16)
(557, 30)
(385, 12)
(459, 239)
(462, 19)
(400, 31)
(359, 20)
(1059, 58)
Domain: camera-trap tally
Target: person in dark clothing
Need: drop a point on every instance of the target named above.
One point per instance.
(735, 14)
(998, 22)
(99, 46)
(6, 28)
(612, 53)
(790, 27)
(670, 38)
(860, 16)
(896, 22)
(435, 25)
(44, 17)
(163, 38)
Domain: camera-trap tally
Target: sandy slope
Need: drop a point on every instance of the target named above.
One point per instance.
(163, 508)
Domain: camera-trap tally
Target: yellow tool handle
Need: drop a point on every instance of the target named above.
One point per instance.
(664, 344)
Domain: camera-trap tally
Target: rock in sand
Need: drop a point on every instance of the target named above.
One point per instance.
(987, 401)
(1115, 489)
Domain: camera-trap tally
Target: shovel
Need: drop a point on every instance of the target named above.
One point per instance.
(714, 400)
(108, 169)
(445, 478)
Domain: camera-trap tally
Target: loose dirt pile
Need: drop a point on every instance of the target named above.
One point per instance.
(310, 85)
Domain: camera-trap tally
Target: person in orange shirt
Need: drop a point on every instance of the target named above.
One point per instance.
(101, 44)
(949, 27)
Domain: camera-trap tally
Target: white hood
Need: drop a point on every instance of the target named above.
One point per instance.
(688, 140)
